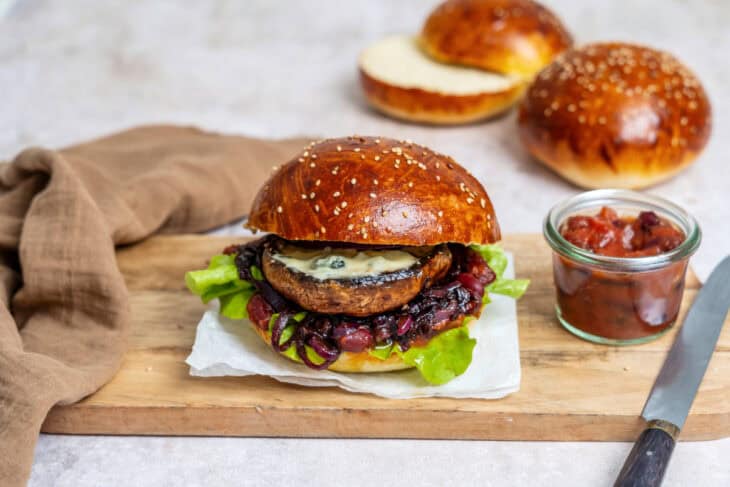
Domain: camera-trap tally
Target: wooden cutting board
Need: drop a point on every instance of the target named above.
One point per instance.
(571, 389)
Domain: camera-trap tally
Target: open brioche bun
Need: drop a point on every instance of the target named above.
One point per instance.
(615, 115)
(363, 362)
(399, 80)
(374, 191)
(516, 37)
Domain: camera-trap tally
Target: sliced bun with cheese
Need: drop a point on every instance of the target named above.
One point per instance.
(471, 61)
(615, 115)
(377, 255)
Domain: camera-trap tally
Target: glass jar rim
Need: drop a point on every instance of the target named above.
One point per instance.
(605, 197)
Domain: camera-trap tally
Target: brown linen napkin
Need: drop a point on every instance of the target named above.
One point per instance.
(65, 310)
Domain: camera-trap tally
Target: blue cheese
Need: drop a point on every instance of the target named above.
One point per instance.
(329, 263)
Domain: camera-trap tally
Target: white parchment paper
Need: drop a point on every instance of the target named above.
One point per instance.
(225, 347)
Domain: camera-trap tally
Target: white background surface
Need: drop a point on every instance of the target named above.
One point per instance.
(71, 70)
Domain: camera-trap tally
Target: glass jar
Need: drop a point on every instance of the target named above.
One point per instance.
(618, 300)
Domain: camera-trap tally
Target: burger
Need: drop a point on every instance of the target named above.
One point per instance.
(378, 255)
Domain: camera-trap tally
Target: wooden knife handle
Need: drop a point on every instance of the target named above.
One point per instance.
(648, 460)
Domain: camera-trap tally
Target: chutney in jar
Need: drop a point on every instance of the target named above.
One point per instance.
(619, 264)
(619, 305)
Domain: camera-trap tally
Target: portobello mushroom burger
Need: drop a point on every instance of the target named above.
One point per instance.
(377, 255)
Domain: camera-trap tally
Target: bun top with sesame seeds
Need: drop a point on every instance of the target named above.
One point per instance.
(615, 114)
(374, 191)
(515, 37)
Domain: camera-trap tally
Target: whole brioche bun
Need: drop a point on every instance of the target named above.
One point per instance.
(374, 191)
(399, 80)
(615, 115)
(506, 36)
(363, 362)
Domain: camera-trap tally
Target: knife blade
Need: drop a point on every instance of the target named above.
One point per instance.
(676, 386)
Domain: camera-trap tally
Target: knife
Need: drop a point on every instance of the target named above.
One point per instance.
(675, 388)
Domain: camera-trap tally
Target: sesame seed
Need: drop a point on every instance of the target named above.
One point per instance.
(311, 164)
(438, 164)
(422, 165)
(343, 204)
(375, 182)
(350, 226)
(316, 208)
(372, 195)
(483, 203)
(311, 195)
(323, 230)
(410, 184)
(339, 148)
(314, 156)
(317, 182)
(470, 200)
(304, 196)
(279, 209)
(306, 153)
(336, 194)
(349, 215)
(362, 156)
(438, 178)
(377, 158)
(357, 149)
(366, 219)
(377, 141)
(353, 181)
(301, 159)
(405, 215)
(336, 211)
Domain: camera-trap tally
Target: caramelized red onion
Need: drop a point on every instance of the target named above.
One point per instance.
(458, 294)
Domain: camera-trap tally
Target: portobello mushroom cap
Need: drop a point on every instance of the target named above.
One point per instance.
(357, 296)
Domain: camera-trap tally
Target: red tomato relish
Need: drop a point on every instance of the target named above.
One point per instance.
(608, 234)
(614, 305)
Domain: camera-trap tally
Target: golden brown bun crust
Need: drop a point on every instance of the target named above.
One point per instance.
(615, 115)
(506, 36)
(417, 105)
(374, 191)
(363, 362)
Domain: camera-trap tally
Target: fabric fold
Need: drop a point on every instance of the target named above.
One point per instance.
(65, 311)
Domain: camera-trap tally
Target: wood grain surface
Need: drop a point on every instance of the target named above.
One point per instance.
(571, 389)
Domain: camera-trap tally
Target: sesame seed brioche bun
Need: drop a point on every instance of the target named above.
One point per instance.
(399, 80)
(374, 191)
(363, 362)
(615, 115)
(517, 37)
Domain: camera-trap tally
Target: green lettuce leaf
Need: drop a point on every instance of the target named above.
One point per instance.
(382, 352)
(220, 280)
(514, 288)
(444, 357)
(497, 261)
(234, 305)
